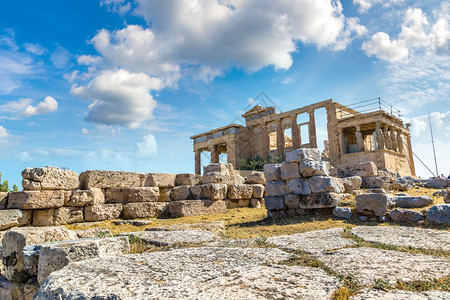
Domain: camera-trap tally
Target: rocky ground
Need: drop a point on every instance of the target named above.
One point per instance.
(365, 262)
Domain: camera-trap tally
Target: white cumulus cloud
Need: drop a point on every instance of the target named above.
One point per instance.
(48, 105)
(381, 45)
(4, 133)
(365, 5)
(119, 98)
(147, 147)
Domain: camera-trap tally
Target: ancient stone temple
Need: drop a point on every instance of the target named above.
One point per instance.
(353, 137)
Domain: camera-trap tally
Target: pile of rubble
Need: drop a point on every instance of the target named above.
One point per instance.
(54, 196)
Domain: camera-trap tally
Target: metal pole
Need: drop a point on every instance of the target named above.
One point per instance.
(432, 142)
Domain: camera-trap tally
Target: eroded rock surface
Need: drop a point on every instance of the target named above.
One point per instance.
(174, 237)
(405, 236)
(374, 294)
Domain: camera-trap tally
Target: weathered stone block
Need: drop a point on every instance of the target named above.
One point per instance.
(272, 172)
(50, 178)
(348, 186)
(258, 191)
(323, 184)
(116, 195)
(439, 214)
(289, 171)
(55, 256)
(437, 183)
(68, 215)
(298, 187)
(374, 182)
(141, 194)
(162, 209)
(239, 191)
(98, 232)
(21, 263)
(188, 179)
(185, 208)
(255, 203)
(43, 217)
(303, 154)
(405, 216)
(362, 169)
(102, 212)
(323, 200)
(216, 177)
(182, 192)
(92, 196)
(221, 168)
(108, 179)
(275, 203)
(38, 199)
(342, 212)
(212, 191)
(140, 210)
(164, 194)
(413, 201)
(377, 204)
(276, 188)
(13, 217)
(256, 178)
(18, 291)
(310, 168)
(30, 185)
(292, 201)
(3, 200)
(446, 195)
(159, 179)
(356, 181)
(238, 179)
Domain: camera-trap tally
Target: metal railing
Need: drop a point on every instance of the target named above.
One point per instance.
(370, 105)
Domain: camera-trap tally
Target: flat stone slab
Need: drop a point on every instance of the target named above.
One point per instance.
(374, 294)
(312, 241)
(170, 238)
(132, 222)
(368, 264)
(405, 236)
(190, 273)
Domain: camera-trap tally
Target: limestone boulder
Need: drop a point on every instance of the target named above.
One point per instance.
(256, 178)
(187, 179)
(362, 169)
(402, 184)
(220, 168)
(18, 291)
(276, 188)
(289, 171)
(348, 186)
(216, 177)
(13, 217)
(255, 203)
(38, 199)
(437, 183)
(140, 210)
(374, 182)
(50, 178)
(158, 180)
(3, 200)
(55, 256)
(97, 232)
(238, 179)
(141, 194)
(292, 201)
(342, 212)
(211, 191)
(239, 191)
(413, 201)
(89, 197)
(275, 203)
(439, 214)
(182, 192)
(323, 200)
(258, 190)
(116, 195)
(108, 179)
(43, 217)
(164, 194)
(102, 212)
(446, 195)
(324, 184)
(310, 168)
(20, 253)
(185, 208)
(405, 216)
(298, 187)
(68, 215)
(302, 154)
(374, 203)
(272, 172)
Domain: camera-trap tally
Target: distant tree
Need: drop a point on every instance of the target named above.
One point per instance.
(257, 163)
(4, 186)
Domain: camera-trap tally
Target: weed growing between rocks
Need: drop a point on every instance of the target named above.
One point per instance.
(362, 243)
(442, 284)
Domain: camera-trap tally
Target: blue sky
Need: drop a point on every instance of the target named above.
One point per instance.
(122, 85)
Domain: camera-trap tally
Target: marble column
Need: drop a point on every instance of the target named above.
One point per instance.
(231, 153)
(380, 136)
(401, 147)
(312, 129)
(387, 138)
(198, 162)
(359, 139)
(214, 154)
(265, 141)
(295, 133)
(280, 138)
(341, 141)
(393, 135)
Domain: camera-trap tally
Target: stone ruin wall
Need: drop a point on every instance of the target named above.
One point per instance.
(53, 196)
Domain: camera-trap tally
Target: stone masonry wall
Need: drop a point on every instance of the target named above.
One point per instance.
(53, 196)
